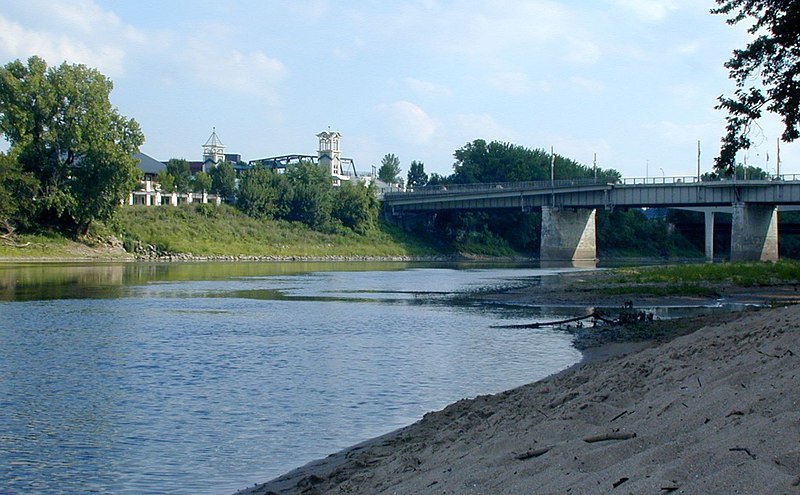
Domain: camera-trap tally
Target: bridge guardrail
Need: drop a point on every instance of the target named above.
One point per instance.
(562, 183)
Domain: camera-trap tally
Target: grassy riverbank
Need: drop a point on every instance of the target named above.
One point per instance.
(206, 230)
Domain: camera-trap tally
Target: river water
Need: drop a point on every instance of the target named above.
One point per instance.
(206, 378)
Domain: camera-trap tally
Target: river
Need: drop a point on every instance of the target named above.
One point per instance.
(209, 377)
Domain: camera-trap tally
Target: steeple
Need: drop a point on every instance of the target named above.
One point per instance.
(329, 153)
(214, 150)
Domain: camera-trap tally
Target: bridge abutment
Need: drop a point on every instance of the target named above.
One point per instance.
(754, 232)
(568, 234)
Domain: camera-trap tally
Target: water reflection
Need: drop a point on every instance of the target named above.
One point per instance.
(205, 378)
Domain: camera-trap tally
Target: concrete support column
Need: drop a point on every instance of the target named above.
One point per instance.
(754, 232)
(709, 235)
(568, 234)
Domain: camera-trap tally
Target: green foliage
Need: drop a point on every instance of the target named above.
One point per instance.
(312, 195)
(631, 233)
(223, 180)
(179, 169)
(356, 206)
(773, 59)
(167, 182)
(201, 182)
(16, 187)
(743, 274)
(479, 162)
(72, 145)
(226, 231)
(390, 169)
(263, 193)
(416, 175)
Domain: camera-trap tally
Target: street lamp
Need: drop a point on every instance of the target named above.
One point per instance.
(663, 179)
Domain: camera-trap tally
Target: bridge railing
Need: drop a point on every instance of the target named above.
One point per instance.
(511, 186)
(564, 183)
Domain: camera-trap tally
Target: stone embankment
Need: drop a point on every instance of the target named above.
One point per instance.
(152, 253)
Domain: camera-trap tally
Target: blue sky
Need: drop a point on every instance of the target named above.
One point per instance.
(634, 81)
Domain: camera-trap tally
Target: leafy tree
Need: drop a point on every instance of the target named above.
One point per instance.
(773, 57)
(505, 162)
(390, 169)
(356, 206)
(179, 169)
(264, 193)
(436, 179)
(76, 147)
(201, 182)
(15, 188)
(416, 175)
(223, 180)
(167, 182)
(312, 200)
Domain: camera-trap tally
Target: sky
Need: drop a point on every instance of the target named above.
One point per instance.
(632, 82)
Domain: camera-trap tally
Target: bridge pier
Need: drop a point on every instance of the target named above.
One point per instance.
(709, 224)
(754, 232)
(568, 234)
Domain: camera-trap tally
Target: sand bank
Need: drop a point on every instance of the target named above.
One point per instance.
(716, 411)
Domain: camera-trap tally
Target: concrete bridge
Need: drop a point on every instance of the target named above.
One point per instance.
(569, 208)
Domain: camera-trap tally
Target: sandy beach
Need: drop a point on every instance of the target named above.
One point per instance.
(714, 411)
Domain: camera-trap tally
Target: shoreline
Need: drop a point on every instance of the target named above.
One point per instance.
(708, 409)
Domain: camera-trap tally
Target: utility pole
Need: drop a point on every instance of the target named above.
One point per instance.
(552, 177)
(698, 160)
(594, 167)
(778, 158)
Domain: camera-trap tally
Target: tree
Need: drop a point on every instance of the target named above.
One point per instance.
(774, 58)
(167, 182)
(179, 169)
(416, 175)
(390, 169)
(201, 182)
(263, 193)
(64, 133)
(504, 162)
(356, 206)
(312, 200)
(15, 187)
(223, 180)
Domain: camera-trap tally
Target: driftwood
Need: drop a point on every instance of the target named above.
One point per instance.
(595, 315)
(619, 435)
(532, 453)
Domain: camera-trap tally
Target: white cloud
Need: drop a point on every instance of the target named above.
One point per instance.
(427, 88)
(409, 122)
(252, 73)
(95, 48)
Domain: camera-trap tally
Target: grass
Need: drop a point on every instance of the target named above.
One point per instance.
(681, 289)
(225, 231)
(53, 246)
(741, 274)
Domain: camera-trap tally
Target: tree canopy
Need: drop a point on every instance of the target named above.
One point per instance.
(416, 175)
(223, 180)
(390, 169)
(773, 59)
(503, 162)
(72, 145)
(181, 174)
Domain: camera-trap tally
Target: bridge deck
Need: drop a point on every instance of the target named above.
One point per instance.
(588, 193)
